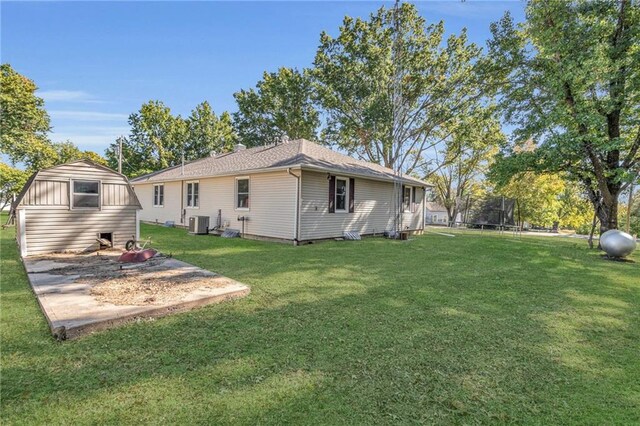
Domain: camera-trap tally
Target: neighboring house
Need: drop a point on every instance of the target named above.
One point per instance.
(68, 207)
(296, 191)
(436, 214)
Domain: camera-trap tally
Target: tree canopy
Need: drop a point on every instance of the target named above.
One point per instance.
(25, 126)
(158, 139)
(280, 106)
(23, 119)
(207, 133)
(394, 55)
(569, 79)
(11, 182)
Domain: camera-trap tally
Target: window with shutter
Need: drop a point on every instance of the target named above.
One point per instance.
(332, 194)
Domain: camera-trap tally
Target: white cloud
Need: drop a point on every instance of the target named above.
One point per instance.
(95, 138)
(87, 115)
(77, 96)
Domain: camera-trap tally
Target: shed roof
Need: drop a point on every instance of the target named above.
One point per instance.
(297, 153)
(34, 176)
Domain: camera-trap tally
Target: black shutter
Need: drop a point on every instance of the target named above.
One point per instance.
(402, 199)
(332, 194)
(414, 205)
(352, 193)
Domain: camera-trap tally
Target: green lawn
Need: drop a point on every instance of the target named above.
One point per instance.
(471, 329)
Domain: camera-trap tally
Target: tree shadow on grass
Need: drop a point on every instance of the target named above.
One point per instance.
(354, 333)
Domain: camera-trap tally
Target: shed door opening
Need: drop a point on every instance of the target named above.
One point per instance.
(105, 239)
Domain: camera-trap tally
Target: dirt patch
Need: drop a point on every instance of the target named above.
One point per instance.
(147, 283)
(155, 288)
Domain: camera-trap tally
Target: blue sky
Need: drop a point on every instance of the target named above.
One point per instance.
(97, 62)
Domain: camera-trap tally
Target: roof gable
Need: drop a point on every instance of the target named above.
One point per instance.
(49, 173)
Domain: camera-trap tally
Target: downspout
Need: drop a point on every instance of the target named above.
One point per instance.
(424, 205)
(182, 212)
(295, 222)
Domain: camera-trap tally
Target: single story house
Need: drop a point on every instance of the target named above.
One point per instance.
(70, 206)
(296, 191)
(436, 214)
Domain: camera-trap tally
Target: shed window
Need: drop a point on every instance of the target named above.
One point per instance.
(193, 200)
(86, 194)
(158, 195)
(242, 193)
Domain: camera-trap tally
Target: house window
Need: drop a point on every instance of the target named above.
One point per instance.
(406, 198)
(86, 194)
(341, 194)
(193, 200)
(158, 195)
(242, 193)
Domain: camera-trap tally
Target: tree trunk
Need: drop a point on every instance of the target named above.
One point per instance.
(452, 213)
(608, 215)
(606, 209)
(593, 229)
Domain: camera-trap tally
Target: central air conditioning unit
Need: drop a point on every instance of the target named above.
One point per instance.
(199, 225)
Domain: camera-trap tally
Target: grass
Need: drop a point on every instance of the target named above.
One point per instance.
(471, 329)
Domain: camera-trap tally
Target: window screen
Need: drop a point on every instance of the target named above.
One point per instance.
(242, 190)
(341, 194)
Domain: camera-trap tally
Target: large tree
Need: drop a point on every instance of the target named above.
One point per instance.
(156, 141)
(280, 106)
(24, 123)
(393, 68)
(569, 78)
(67, 151)
(207, 133)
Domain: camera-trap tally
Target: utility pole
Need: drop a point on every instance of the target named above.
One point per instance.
(397, 105)
(120, 154)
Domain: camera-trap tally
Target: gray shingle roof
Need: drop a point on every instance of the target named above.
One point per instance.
(298, 153)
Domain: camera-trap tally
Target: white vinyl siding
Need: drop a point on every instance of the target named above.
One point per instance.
(117, 195)
(76, 230)
(51, 223)
(272, 202)
(372, 209)
(47, 193)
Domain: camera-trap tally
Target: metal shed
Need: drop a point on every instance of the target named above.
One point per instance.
(68, 207)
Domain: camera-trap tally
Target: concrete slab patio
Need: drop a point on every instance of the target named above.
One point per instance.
(80, 294)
